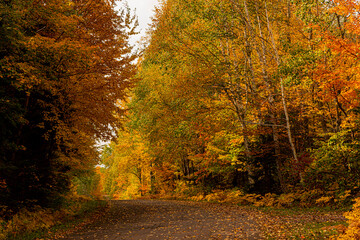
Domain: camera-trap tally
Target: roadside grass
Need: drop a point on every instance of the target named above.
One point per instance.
(319, 230)
(70, 218)
(301, 223)
(295, 210)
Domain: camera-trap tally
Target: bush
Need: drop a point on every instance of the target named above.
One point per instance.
(308, 198)
(30, 220)
(335, 164)
(216, 196)
(37, 219)
(287, 200)
(269, 200)
(324, 201)
(353, 231)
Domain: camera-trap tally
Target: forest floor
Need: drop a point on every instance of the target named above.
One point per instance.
(157, 219)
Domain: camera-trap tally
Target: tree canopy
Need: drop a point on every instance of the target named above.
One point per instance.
(64, 65)
(257, 95)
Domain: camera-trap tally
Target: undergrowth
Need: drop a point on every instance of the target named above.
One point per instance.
(39, 222)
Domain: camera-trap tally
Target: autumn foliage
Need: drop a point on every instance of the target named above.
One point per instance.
(254, 102)
(259, 96)
(63, 67)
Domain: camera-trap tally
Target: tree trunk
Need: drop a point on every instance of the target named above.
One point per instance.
(283, 99)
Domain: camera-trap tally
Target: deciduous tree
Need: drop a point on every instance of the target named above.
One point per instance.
(65, 65)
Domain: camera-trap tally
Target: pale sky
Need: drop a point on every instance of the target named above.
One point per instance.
(144, 11)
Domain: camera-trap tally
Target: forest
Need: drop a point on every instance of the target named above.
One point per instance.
(244, 98)
(64, 65)
(251, 102)
(261, 96)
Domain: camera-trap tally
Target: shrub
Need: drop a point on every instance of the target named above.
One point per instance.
(335, 163)
(29, 220)
(234, 196)
(269, 200)
(353, 231)
(308, 198)
(249, 199)
(324, 201)
(287, 200)
(216, 196)
(37, 219)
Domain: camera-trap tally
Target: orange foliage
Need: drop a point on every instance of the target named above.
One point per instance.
(65, 66)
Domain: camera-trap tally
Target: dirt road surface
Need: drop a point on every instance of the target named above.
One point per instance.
(158, 220)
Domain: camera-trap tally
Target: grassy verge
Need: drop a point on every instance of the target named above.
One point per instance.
(319, 230)
(46, 224)
(303, 210)
(301, 223)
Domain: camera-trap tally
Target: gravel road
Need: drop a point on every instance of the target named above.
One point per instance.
(155, 219)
